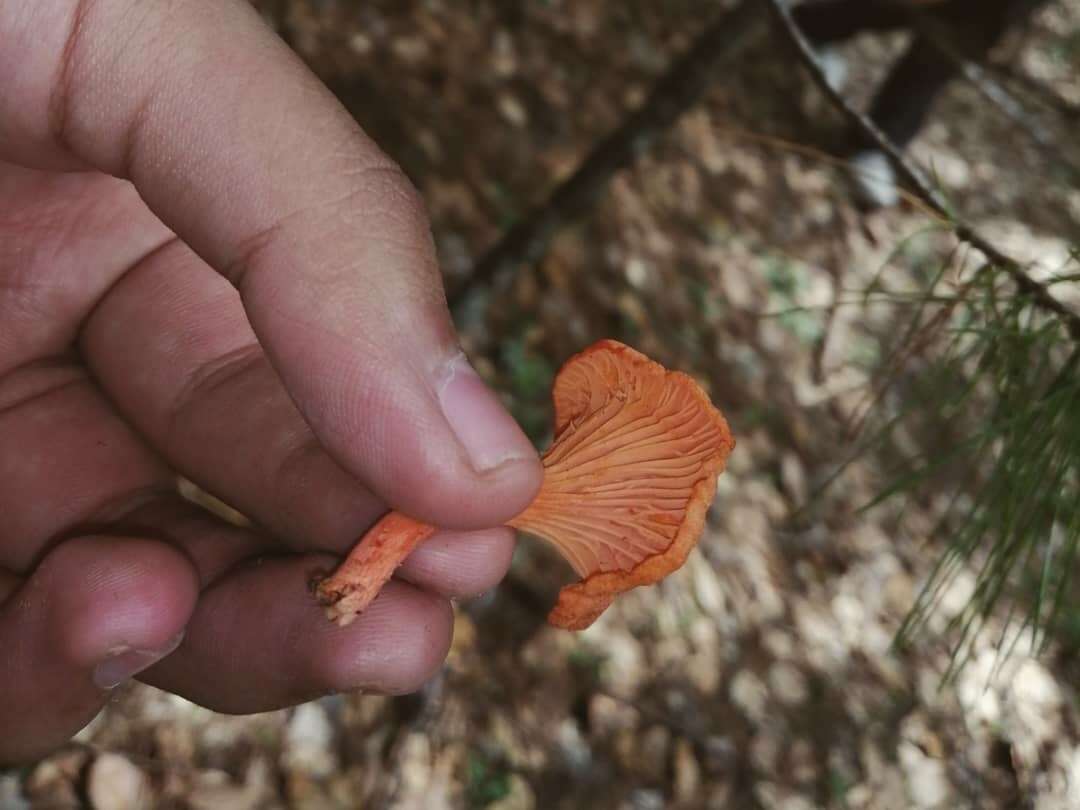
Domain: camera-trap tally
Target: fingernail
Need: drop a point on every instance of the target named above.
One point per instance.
(124, 663)
(488, 433)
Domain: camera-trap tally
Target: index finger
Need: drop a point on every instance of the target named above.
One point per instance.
(253, 163)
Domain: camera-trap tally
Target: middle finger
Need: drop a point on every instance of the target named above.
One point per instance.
(171, 346)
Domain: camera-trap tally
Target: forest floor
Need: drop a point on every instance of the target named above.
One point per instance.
(763, 674)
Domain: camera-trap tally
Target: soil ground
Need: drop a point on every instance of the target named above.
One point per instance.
(762, 674)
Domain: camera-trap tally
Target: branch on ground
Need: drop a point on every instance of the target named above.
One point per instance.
(1044, 94)
(678, 90)
(994, 92)
(919, 183)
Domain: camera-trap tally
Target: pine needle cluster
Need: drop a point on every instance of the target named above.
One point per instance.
(1002, 393)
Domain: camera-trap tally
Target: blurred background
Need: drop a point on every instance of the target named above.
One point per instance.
(713, 226)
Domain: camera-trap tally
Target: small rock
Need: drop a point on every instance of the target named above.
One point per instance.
(921, 756)
(980, 704)
(177, 743)
(924, 777)
(765, 749)
(548, 649)
(793, 478)
(625, 664)
(1031, 714)
(779, 643)
(519, 796)
(308, 746)
(212, 789)
(738, 289)
(52, 783)
(768, 794)
(1073, 779)
(720, 754)
(421, 786)
(788, 683)
(672, 648)
(707, 588)
(411, 50)
(637, 271)
(899, 593)
(825, 648)
(464, 639)
(607, 715)
(503, 56)
(955, 596)
(749, 695)
(572, 746)
(766, 500)
(652, 753)
(703, 667)
(11, 795)
(687, 782)
(859, 797)
(360, 43)
(802, 762)
(772, 796)
(625, 746)
(646, 800)
(260, 781)
(116, 783)
(215, 790)
(367, 711)
(868, 538)
(506, 733)
(511, 108)
(718, 796)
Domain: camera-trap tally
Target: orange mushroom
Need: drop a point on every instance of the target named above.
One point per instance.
(627, 482)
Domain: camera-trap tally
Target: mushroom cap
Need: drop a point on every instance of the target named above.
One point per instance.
(629, 476)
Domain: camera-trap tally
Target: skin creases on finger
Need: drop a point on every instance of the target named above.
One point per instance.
(330, 249)
(173, 350)
(94, 612)
(9, 582)
(66, 460)
(268, 650)
(259, 630)
(452, 564)
(460, 565)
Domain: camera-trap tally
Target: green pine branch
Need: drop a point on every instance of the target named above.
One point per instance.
(1008, 385)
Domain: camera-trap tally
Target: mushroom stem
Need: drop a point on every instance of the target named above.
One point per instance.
(628, 480)
(357, 581)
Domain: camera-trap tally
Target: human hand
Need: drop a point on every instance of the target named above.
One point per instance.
(207, 268)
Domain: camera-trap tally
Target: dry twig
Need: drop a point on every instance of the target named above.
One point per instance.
(917, 180)
(994, 92)
(1044, 94)
(678, 90)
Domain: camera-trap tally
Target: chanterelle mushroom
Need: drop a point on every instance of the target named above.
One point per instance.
(627, 482)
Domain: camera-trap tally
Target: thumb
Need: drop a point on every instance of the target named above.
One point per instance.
(349, 305)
